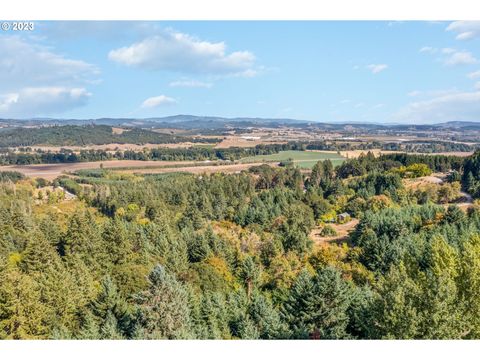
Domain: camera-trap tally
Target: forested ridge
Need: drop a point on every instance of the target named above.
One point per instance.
(76, 135)
(182, 256)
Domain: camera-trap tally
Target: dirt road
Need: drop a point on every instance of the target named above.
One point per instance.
(343, 230)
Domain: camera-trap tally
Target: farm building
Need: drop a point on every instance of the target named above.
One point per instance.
(343, 217)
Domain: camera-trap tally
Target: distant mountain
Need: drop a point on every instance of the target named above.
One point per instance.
(218, 123)
(464, 125)
(177, 121)
(214, 122)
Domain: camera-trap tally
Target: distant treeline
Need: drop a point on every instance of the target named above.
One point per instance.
(73, 135)
(28, 156)
(201, 153)
(341, 145)
(162, 154)
(429, 147)
(439, 163)
(49, 157)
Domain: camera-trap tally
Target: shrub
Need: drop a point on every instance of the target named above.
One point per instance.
(328, 230)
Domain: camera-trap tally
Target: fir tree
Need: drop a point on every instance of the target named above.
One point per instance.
(317, 305)
(163, 311)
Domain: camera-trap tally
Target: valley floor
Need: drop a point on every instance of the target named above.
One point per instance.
(52, 171)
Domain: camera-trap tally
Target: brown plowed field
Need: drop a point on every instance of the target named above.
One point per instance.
(52, 171)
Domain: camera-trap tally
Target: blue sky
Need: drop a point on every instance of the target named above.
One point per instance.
(410, 72)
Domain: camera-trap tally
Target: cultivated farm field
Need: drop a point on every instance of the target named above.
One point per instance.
(52, 171)
(304, 159)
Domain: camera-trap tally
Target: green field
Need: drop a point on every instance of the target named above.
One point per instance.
(304, 159)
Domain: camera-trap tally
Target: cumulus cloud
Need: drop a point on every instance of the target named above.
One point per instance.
(376, 68)
(190, 84)
(448, 51)
(465, 29)
(474, 75)
(36, 81)
(428, 49)
(432, 93)
(27, 64)
(157, 101)
(249, 73)
(460, 58)
(450, 56)
(456, 106)
(42, 101)
(175, 51)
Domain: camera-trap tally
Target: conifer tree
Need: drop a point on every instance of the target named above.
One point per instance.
(395, 310)
(441, 309)
(111, 311)
(265, 318)
(317, 305)
(469, 285)
(163, 309)
(117, 245)
(250, 274)
(82, 239)
(22, 313)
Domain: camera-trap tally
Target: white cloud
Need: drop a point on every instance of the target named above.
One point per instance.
(465, 29)
(36, 81)
(378, 106)
(451, 56)
(477, 85)
(432, 93)
(249, 73)
(157, 101)
(38, 101)
(448, 51)
(474, 75)
(175, 51)
(428, 49)
(190, 84)
(461, 58)
(376, 68)
(28, 64)
(458, 106)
